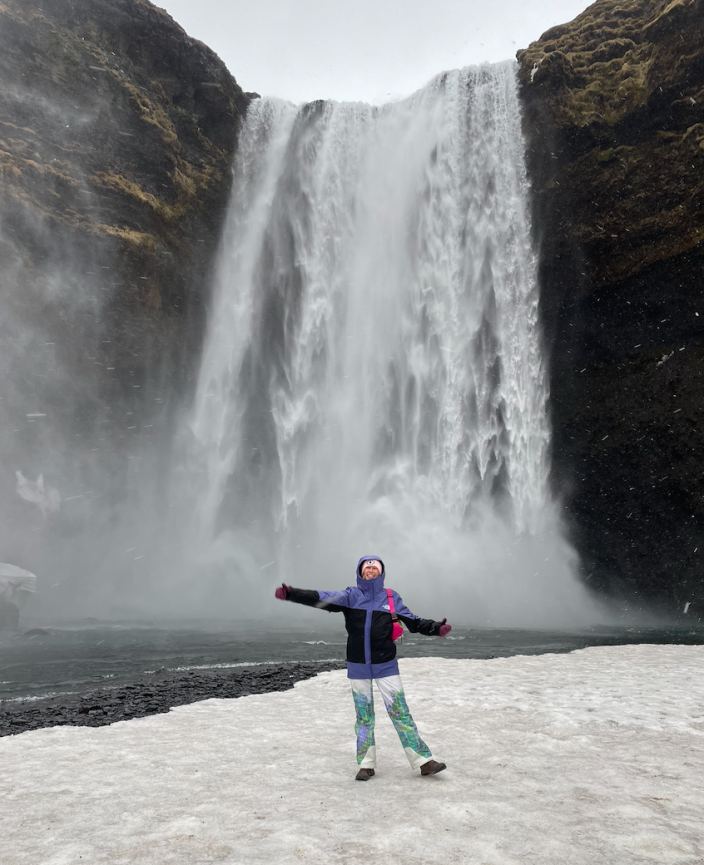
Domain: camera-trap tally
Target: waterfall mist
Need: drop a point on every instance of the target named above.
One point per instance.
(84, 433)
(90, 380)
(372, 378)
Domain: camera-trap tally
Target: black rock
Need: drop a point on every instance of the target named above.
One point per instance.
(106, 707)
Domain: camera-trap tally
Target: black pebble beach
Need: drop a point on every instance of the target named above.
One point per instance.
(153, 696)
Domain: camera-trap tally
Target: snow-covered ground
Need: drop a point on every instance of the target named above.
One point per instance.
(592, 757)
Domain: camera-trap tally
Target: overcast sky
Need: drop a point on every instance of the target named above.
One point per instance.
(369, 50)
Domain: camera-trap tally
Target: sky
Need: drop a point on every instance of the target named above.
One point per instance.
(370, 50)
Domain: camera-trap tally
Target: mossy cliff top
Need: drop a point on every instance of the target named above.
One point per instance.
(620, 57)
(111, 98)
(617, 96)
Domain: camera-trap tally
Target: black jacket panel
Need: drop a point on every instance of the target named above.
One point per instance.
(354, 622)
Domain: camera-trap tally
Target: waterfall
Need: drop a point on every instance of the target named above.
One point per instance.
(372, 378)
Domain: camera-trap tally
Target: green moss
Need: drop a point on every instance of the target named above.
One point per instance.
(136, 239)
(118, 183)
(618, 52)
(695, 132)
(152, 113)
(8, 166)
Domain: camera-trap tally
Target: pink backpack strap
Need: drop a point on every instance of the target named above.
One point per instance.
(392, 609)
(397, 628)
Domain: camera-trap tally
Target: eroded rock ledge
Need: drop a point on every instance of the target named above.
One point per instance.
(614, 106)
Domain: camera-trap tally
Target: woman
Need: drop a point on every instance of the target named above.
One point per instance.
(371, 655)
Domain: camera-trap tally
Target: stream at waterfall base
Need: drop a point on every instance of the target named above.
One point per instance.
(59, 663)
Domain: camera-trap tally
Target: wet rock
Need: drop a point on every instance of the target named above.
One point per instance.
(9, 615)
(614, 115)
(101, 707)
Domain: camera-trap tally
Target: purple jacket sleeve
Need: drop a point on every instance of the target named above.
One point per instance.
(416, 625)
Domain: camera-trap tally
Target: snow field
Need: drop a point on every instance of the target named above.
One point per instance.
(590, 758)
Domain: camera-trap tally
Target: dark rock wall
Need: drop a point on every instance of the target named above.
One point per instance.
(117, 136)
(614, 105)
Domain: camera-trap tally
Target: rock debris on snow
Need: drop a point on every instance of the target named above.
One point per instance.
(147, 697)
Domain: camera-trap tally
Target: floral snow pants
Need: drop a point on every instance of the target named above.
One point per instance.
(391, 691)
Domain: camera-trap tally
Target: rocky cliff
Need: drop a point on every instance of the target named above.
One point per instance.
(614, 106)
(117, 135)
(117, 132)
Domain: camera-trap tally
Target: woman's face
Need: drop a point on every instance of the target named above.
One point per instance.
(371, 569)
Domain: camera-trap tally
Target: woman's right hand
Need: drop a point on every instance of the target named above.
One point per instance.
(283, 592)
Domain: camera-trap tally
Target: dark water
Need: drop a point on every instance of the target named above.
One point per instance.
(72, 659)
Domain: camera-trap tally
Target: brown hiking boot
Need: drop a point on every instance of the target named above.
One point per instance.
(432, 768)
(364, 775)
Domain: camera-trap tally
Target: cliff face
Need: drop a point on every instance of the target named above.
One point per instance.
(614, 107)
(117, 135)
(117, 132)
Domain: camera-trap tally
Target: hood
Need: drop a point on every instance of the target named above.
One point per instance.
(367, 585)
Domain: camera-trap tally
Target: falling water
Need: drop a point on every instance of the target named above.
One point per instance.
(373, 378)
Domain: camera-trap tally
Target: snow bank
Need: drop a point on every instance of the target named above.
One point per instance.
(592, 757)
(14, 579)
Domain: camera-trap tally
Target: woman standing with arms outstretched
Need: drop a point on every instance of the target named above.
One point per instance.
(371, 612)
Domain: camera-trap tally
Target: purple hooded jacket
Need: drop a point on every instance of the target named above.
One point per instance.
(371, 653)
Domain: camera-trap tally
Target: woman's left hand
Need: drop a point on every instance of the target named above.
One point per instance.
(444, 629)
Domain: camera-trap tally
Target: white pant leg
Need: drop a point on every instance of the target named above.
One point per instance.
(416, 750)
